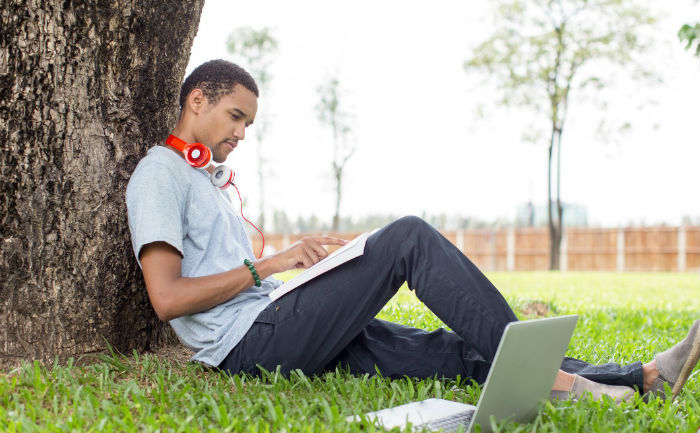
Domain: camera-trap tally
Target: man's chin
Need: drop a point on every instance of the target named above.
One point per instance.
(219, 155)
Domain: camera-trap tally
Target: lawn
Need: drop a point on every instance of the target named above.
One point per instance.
(623, 318)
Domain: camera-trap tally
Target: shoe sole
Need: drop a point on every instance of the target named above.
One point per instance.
(688, 366)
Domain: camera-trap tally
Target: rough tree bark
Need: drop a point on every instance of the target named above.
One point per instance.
(85, 89)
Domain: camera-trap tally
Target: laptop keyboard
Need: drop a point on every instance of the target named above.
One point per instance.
(450, 423)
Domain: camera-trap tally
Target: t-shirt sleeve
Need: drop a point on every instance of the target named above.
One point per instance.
(156, 207)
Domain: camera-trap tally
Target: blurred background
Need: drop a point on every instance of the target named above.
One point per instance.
(371, 110)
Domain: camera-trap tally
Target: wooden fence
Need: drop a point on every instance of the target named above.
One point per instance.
(675, 249)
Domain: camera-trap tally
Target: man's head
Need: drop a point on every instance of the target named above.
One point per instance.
(218, 100)
(217, 78)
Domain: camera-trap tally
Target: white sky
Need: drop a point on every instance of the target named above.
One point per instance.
(421, 147)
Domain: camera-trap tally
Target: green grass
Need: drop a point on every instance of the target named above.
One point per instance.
(624, 318)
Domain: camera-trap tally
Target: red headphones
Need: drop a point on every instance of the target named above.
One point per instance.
(196, 154)
(199, 156)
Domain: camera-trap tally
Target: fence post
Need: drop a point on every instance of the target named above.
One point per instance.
(510, 249)
(564, 250)
(681, 249)
(620, 250)
(459, 243)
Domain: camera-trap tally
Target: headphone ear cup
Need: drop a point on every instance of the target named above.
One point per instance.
(222, 177)
(198, 155)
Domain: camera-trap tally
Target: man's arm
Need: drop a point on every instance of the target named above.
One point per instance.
(173, 295)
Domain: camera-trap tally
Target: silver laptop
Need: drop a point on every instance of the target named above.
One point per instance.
(521, 376)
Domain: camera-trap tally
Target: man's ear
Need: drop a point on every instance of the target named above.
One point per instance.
(196, 100)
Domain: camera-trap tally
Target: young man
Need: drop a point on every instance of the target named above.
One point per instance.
(191, 246)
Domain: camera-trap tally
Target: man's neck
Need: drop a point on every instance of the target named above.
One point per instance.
(182, 135)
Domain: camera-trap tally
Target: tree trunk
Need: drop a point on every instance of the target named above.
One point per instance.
(555, 248)
(338, 191)
(261, 182)
(555, 224)
(556, 251)
(85, 89)
(550, 216)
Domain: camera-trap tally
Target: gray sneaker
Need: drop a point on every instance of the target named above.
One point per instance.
(675, 364)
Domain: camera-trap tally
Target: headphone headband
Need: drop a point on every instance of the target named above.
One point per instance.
(176, 143)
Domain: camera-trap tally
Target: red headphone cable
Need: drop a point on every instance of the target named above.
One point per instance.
(261, 233)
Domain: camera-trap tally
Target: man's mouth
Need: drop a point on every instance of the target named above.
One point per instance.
(231, 144)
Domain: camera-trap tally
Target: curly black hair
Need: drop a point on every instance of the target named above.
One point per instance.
(217, 78)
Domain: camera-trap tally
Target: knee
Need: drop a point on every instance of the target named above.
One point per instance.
(399, 238)
(409, 225)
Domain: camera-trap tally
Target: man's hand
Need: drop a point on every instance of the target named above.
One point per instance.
(304, 253)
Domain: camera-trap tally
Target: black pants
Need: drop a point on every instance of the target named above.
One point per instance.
(330, 320)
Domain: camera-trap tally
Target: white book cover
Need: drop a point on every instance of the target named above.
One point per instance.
(354, 248)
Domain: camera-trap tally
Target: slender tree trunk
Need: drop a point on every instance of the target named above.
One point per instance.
(261, 182)
(553, 246)
(555, 224)
(85, 89)
(338, 192)
(560, 216)
(555, 98)
(555, 219)
(262, 162)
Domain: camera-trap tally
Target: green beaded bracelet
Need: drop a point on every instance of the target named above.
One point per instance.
(256, 277)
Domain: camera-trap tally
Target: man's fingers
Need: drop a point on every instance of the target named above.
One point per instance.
(329, 240)
(316, 249)
(309, 251)
(308, 258)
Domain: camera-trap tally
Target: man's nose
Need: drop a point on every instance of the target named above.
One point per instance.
(239, 132)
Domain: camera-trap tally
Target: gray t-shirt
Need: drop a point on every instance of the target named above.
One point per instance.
(172, 202)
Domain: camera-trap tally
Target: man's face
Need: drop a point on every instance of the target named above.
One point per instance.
(221, 126)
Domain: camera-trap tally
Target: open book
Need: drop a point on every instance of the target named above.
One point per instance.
(354, 248)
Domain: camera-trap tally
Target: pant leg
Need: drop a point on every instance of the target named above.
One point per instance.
(309, 327)
(610, 373)
(396, 351)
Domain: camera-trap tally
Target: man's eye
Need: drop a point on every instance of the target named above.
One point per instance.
(235, 116)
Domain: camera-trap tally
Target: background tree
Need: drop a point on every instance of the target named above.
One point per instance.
(690, 35)
(85, 89)
(542, 51)
(330, 113)
(255, 48)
